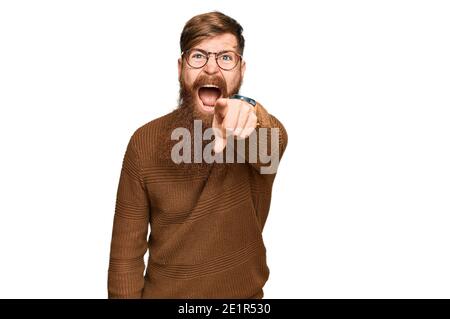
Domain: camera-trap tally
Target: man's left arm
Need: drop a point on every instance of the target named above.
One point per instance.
(260, 137)
(268, 141)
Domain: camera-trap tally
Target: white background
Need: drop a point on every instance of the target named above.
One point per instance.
(361, 201)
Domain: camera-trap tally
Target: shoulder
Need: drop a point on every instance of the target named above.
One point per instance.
(145, 139)
(153, 126)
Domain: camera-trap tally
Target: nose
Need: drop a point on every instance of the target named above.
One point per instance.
(211, 66)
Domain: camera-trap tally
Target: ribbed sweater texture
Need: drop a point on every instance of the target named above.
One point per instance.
(205, 237)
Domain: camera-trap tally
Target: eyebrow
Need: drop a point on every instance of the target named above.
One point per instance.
(197, 48)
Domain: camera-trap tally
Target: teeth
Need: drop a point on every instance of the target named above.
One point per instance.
(210, 86)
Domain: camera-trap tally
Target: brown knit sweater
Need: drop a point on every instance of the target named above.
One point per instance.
(205, 223)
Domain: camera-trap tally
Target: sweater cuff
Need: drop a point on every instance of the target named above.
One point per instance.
(263, 118)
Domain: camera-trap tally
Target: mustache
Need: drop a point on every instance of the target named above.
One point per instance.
(216, 80)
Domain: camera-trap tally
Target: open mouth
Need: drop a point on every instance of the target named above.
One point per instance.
(208, 95)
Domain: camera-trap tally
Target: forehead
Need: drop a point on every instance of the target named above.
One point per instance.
(226, 41)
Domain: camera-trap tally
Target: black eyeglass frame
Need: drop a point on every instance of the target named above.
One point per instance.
(207, 54)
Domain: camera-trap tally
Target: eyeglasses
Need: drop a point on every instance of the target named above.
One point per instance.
(198, 58)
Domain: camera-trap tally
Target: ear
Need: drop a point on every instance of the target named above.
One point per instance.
(180, 65)
(243, 67)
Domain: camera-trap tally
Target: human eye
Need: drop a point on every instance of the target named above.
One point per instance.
(226, 57)
(197, 55)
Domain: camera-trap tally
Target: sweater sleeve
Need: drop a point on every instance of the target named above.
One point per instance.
(260, 149)
(130, 228)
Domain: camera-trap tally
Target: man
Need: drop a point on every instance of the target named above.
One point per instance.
(206, 218)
